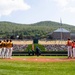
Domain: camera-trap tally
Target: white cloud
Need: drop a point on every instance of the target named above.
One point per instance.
(62, 2)
(70, 9)
(67, 5)
(8, 6)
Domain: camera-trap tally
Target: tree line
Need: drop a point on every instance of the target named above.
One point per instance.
(41, 29)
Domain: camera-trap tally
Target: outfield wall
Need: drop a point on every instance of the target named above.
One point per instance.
(43, 42)
(40, 42)
(51, 53)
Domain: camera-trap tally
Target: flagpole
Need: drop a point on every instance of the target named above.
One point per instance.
(61, 29)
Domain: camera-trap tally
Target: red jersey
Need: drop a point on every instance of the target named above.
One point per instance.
(73, 45)
(69, 43)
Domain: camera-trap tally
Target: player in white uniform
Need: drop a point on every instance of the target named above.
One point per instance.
(0, 48)
(73, 46)
(10, 48)
(3, 48)
(7, 49)
(69, 47)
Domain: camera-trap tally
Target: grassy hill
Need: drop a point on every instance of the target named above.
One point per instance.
(41, 28)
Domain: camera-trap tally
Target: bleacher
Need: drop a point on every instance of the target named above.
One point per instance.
(50, 50)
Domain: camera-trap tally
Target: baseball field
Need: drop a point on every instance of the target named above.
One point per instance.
(42, 65)
(33, 65)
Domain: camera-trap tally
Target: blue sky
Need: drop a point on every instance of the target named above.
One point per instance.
(32, 11)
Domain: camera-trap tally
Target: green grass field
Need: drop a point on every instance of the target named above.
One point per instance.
(37, 68)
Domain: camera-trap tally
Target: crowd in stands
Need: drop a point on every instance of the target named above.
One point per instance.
(19, 47)
(55, 47)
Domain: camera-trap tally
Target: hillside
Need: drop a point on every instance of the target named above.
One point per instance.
(40, 28)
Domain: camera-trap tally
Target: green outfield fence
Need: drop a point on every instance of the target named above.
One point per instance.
(50, 53)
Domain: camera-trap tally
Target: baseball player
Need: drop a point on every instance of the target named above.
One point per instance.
(0, 48)
(73, 46)
(7, 49)
(10, 48)
(3, 48)
(69, 48)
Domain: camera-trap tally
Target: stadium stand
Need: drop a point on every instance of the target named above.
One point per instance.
(19, 47)
(55, 47)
